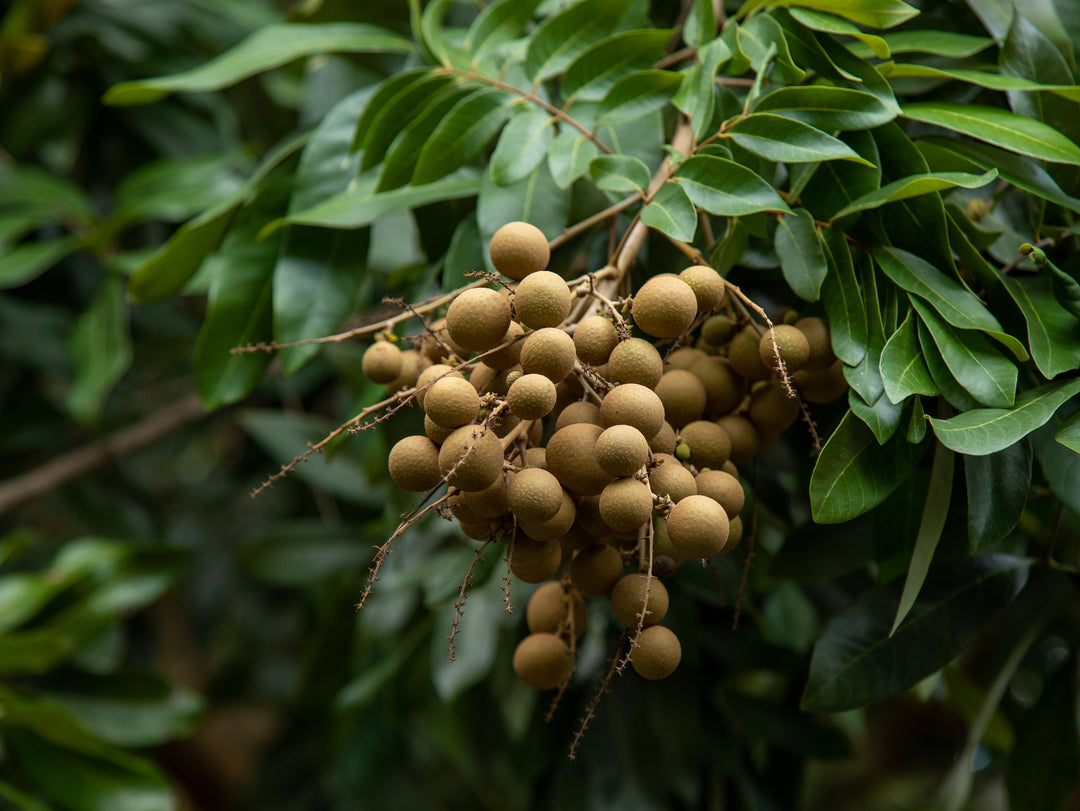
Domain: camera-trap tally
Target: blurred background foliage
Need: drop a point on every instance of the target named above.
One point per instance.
(166, 641)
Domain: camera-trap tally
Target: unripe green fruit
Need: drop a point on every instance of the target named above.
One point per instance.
(471, 458)
(543, 661)
(580, 411)
(672, 480)
(628, 599)
(549, 352)
(478, 319)
(534, 494)
(683, 396)
(596, 569)
(664, 307)
(724, 489)
(658, 653)
(452, 402)
(571, 456)
(594, 338)
(635, 361)
(542, 299)
(707, 284)
(414, 464)
(531, 397)
(790, 342)
(698, 527)
(533, 561)
(381, 362)
(518, 249)
(621, 450)
(554, 610)
(626, 504)
(631, 404)
(710, 446)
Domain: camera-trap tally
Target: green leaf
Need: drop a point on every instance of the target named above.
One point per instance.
(534, 199)
(396, 105)
(1053, 333)
(827, 108)
(871, 13)
(854, 473)
(476, 646)
(437, 38)
(777, 138)
(1066, 290)
(903, 370)
(671, 212)
(802, 258)
(359, 205)
(727, 189)
(865, 376)
(829, 24)
(843, 300)
(883, 416)
(569, 157)
(400, 161)
(938, 43)
(497, 24)
(981, 78)
(1030, 54)
(983, 372)
(857, 663)
(462, 135)
(934, 513)
(999, 127)
(997, 490)
(987, 430)
(27, 261)
(954, 302)
(592, 75)
(43, 196)
(22, 596)
(700, 25)
(619, 173)
(524, 143)
(913, 186)
(995, 15)
(637, 94)
(101, 349)
(19, 800)
(300, 553)
(268, 47)
(560, 39)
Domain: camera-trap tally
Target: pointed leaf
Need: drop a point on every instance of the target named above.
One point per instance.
(843, 300)
(462, 135)
(591, 75)
(27, 261)
(802, 258)
(727, 189)
(913, 186)
(101, 350)
(981, 78)
(400, 161)
(827, 108)
(939, 43)
(777, 138)
(394, 108)
(997, 490)
(524, 143)
(871, 13)
(1065, 287)
(1053, 333)
(560, 39)
(569, 157)
(498, 23)
(672, 212)
(638, 94)
(903, 369)
(619, 173)
(1069, 433)
(829, 24)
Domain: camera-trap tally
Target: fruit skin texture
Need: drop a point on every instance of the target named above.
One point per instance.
(683, 396)
(534, 494)
(477, 455)
(381, 362)
(594, 338)
(542, 300)
(633, 404)
(549, 352)
(414, 464)
(723, 488)
(790, 341)
(534, 561)
(710, 446)
(531, 397)
(549, 608)
(452, 402)
(635, 361)
(626, 504)
(518, 249)
(658, 653)
(664, 307)
(571, 456)
(543, 661)
(621, 450)
(628, 596)
(672, 480)
(698, 527)
(478, 319)
(745, 356)
(707, 284)
(596, 569)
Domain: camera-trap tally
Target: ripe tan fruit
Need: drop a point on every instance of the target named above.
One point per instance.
(683, 396)
(478, 319)
(673, 481)
(594, 338)
(632, 404)
(534, 494)
(549, 352)
(381, 362)
(518, 249)
(531, 397)
(745, 441)
(745, 357)
(555, 527)
(664, 307)
(553, 610)
(452, 402)
(580, 411)
(658, 653)
(536, 457)
(533, 561)
(724, 389)
(709, 444)
(596, 569)
(635, 361)
(471, 458)
(724, 489)
(410, 370)
(735, 533)
(792, 344)
(628, 599)
(707, 284)
(626, 504)
(436, 433)
(698, 527)
(437, 350)
(414, 464)
(543, 661)
(509, 356)
(621, 450)
(818, 337)
(428, 377)
(542, 299)
(571, 456)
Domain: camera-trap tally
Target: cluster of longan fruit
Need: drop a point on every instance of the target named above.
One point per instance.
(589, 451)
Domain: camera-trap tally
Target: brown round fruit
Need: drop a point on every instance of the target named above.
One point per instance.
(596, 569)
(531, 397)
(414, 464)
(635, 361)
(771, 409)
(707, 284)
(533, 561)
(509, 356)
(594, 338)
(709, 444)
(626, 504)
(657, 653)
(533, 494)
(672, 480)
(723, 488)
(664, 307)
(792, 345)
(698, 527)
(580, 411)
(543, 661)
(518, 249)
(471, 458)
(542, 299)
(724, 389)
(478, 319)
(381, 362)
(628, 599)
(452, 402)
(633, 404)
(554, 610)
(549, 352)
(571, 456)
(683, 396)
(621, 450)
(745, 441)
(745, 357)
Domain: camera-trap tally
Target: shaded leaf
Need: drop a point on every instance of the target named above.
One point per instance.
(462, 135)
(534, 199)
(1053, 333)
(498, 23)
(982, 78)
(560, 39)
(903, 370)
(727, 189)
(27, 261)
(913, 186)
(524, 143)
(569, 157)
(829, 24)
(802, 258)
(843, 300)
(101, 350)
(939, 43)
(592, 74)
(301, 553)
(672, 212)
(827, 108)
(871, 13)
(1065, 287)
(997, 490)
(400, 161)
(777, 138)
(638, 94)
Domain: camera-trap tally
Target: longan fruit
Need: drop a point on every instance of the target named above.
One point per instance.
(549, 352)
(580, 411)
(698, 527)
(536, 457)
(723, 488)
(672, 480)
(684, 357)
(381, 362)
(491, 502)
(571, 456)
(594, 338)
(822, 385)
(657, 654)
(626, 504)
(452, 402)
(683, 396)
(555, 527)
(771, 409)
(478, 319)
(818, 337)
(664, 307)
(435, 432)
(724, 389)
(410, 370)
(596, 569)
(792, 344)
(531, 397)
(635, 361)
(745, 441)
(534, 494)
(553, 610)
(621, 450)
(533, 561)
(709, 444)
(542, 299)
(735, 533)
(745, 357)
(718, 330)
(628, 599)
(518, 249)
(707, 284)
(509, 356)
(428, 377)
(543, 661)
(664, 441)
(471, 458)
(633, 404)
(414, 464)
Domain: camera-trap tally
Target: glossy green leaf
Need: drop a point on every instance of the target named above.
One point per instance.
(638, 94)
(883, 416)
(981, 78)
(802, 257)
(939, 43)
(401, 158)
(560, 39)
(1069, 433)
(700, 25)
(903, 369)
(935, 510)
(462, 135)
(29, 189)
(101, 349)
(778, 138)
(727, 189)
(761, 40)
(569, 157)
(438, 39)
(268, 47)
(857, 663)
(913, 186)
(865, 376)
(27, 261)
(983, 372)
(671, 212)
(854, 473)
(23, 595)
(399, 102)
(999, 127)
(871, 13)
(997, 490)
(827, 108)
(955, 394)
(843, 300)
(498, 23)
(592, 75)
(524, 143)
(987, 430)
(1030, 54)
(1053, 333)
(955, 303)
(830, 24)
(619, 173)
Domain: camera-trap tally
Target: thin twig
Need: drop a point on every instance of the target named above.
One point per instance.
(459, 604)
